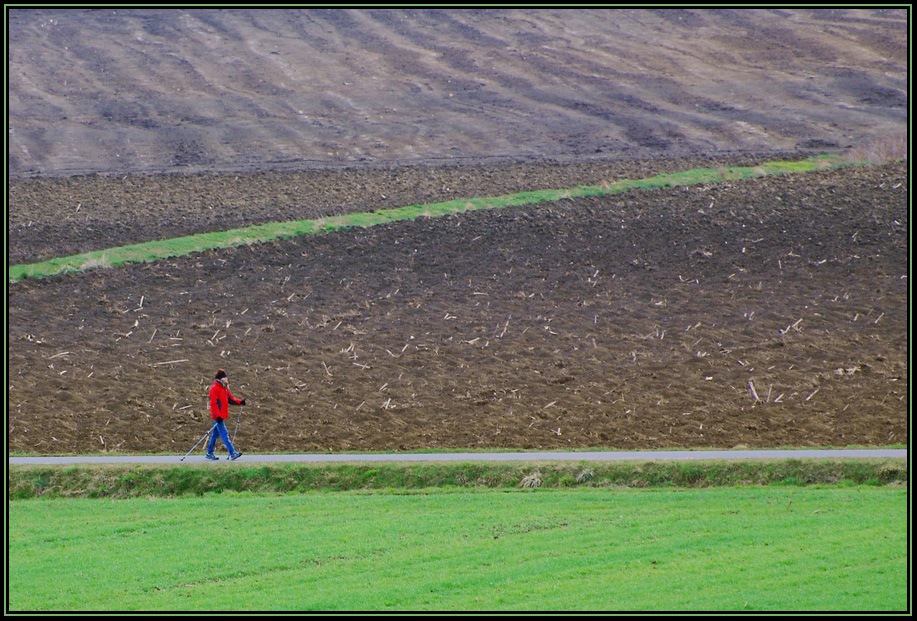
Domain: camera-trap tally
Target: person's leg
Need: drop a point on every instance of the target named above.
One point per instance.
(224, 436)
(213, 441)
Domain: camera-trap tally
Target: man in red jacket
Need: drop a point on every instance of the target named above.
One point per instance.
(220, 398)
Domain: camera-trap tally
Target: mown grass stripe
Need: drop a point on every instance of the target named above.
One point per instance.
(181, 246)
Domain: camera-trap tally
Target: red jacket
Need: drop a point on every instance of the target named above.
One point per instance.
(220, 398)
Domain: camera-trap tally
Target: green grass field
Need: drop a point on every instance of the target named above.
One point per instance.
(774, 548)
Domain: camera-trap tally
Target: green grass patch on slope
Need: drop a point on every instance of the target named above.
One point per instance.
(725, 549)
(181, 246)
(180, 480)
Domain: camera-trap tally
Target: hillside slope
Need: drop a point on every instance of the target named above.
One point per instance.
(128, 90)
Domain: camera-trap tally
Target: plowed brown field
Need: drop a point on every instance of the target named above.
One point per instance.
(761, 313)
(126, 90)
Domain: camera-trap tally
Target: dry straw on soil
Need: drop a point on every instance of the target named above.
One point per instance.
(882, 149)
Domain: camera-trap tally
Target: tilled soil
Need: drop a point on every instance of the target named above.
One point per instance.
(181, 89)
(758, 313)
(61, 216)
(761, 313)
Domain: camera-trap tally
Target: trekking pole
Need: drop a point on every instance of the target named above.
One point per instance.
(209, 431)
(233, 440)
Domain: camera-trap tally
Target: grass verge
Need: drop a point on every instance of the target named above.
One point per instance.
(180, 246)
(128, 480)
(772, 549)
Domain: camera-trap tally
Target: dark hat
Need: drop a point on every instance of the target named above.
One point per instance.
(220, 374)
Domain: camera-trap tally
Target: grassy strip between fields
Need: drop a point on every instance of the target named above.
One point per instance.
(180, 246)
(123, 481)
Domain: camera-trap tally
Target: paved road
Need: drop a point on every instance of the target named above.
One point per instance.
(439, 457)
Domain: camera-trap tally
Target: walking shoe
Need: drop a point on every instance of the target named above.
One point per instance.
(235, 455)
(211, 457)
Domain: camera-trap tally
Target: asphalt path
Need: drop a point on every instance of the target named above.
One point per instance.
(471, 457)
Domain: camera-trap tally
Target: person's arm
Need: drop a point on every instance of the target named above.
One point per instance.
(233, 400)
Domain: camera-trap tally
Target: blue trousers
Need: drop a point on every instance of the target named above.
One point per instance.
(220, 427)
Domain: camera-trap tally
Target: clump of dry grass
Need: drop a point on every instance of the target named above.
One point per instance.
(95, 261)
(880, 150)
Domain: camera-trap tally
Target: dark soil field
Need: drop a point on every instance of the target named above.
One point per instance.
(768, 312)
(650, 319)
